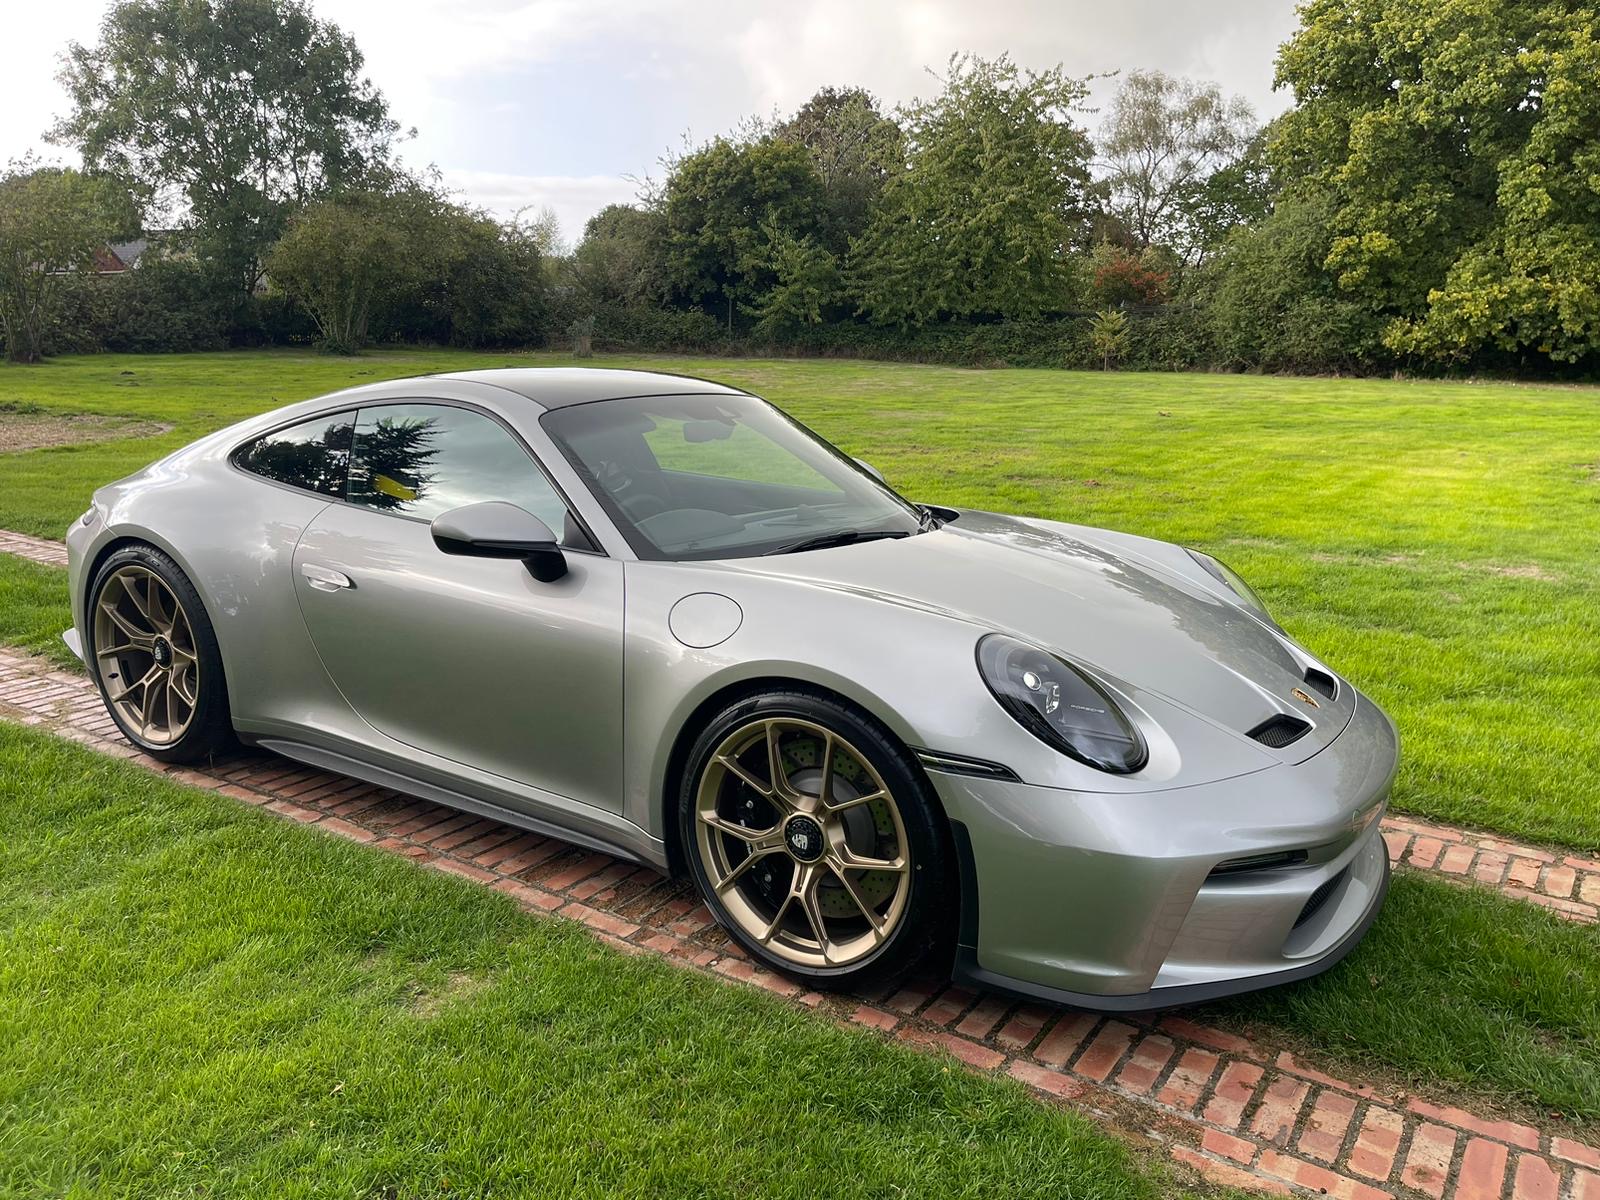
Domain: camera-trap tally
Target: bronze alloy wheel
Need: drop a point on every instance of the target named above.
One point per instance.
(803, 842)
(145, 652)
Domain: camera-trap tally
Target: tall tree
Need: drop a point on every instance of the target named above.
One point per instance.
(246, 108)
(1162, 140)
(52, 222)
(721, 203)
(992, 204)
(1459, 142)
(619, 260)
(856, 150)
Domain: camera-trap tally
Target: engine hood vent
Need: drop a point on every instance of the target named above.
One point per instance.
(1280, 731)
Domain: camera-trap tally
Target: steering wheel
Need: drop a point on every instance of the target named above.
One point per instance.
(624, 488)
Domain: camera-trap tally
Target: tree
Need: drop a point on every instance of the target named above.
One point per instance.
(1162, 140)
(806, 282)
(247, 108)
(1459, 144)
(855, 148)
(721, 203)
(1120, 277)
(1108, 334)
(52, 224)
(1272, 306)
(344, 258)
(619, 260)
(985, 218)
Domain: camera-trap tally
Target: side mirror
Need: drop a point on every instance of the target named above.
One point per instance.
(496, 529)
(871, 470)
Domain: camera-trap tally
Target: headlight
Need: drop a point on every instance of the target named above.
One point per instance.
(1060, 705)
(1234, 582)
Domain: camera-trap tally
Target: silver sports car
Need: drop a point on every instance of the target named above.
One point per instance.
(657, 616)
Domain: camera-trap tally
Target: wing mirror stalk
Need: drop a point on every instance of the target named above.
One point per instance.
(497, 529)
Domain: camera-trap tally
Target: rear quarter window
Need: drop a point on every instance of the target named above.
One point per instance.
(313, 455)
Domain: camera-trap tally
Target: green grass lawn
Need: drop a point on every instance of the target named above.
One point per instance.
(1433, 541)
(199, 1000)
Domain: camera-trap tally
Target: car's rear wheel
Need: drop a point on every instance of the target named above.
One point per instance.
(155, 657)
(815, 840)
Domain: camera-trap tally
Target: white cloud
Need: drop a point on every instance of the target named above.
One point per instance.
(710, 62)
(573, 198)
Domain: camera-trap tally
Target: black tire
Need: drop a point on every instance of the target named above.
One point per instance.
(926, 923)
(209, 730)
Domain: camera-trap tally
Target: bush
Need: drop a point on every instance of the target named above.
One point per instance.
(165, 305)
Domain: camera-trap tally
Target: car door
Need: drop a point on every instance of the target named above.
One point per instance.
(470, 659)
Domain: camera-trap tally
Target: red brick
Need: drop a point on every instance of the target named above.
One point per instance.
(1523, 873)
(980, 1022)
(593, 918)
(1428, 1161)
(1571, 909)
(1023, 1026)
(1188, 1079)
(1377, 1143)
(1535, 1179)
(1228, 1043)
(951, 1003)
(1395, 840)
(911, 997)
(1491, 866)
(1575, 1152)
(1062, 1041)
(1280, 1109)
(346, 830)
(874, 1018)
(1324, 1133)
(450, 867)
(968, 1052)
(582, 867)
(526, 896)
(1505, 1131)
(1483, 1171)
(1057, 1083)
(1150, 1057)
(1425, 852)
(1234, 1090)
(1228, 1146)
(1457, 859)
(1226, 1174)
(1288, 1062)
(1589, 889)
(1109, 1045)
(531, 857)
(288, 808)
(1585, 1186)
(1319, 1179)
(1558, 881)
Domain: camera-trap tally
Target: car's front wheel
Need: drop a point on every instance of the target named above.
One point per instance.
(155, 657)
(815, 840)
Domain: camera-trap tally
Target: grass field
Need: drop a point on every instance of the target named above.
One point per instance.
(1433, 541)
(198, 1000)
(201, 1002)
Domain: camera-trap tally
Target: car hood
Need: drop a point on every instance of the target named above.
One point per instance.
(1096, 598)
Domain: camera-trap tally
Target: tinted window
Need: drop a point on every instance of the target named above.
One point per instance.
(312, 455)
(420, 460)
(720, 476)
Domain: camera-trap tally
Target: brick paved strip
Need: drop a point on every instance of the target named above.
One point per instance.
(1238, 1111)
(40, 550)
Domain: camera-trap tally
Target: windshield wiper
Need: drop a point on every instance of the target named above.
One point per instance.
(839, 537)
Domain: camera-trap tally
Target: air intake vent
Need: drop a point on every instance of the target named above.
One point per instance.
(1280, 731)
(1321, 681)
(1319, 898)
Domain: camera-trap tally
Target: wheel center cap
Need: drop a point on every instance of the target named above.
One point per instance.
(161, 651)
(804, 838)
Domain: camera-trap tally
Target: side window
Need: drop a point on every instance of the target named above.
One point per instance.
(420, 460)
(313, 455)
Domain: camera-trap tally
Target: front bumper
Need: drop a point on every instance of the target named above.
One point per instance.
(1115, 902)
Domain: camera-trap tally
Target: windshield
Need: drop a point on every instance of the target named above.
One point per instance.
(693, 477)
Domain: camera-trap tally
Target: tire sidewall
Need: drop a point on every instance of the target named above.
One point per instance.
(929, 914)
(209, 729)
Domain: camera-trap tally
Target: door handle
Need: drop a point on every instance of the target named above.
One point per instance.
(324, 579)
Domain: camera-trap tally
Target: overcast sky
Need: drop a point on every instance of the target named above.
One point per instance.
(535, 102)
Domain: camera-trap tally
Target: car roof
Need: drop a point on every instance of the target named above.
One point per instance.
(558, 387)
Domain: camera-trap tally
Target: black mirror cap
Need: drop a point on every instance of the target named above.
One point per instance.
(497, 529)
